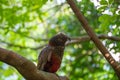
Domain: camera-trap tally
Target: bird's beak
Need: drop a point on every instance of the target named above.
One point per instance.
(69, 39)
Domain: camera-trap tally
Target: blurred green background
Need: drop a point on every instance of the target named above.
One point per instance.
(27, 25)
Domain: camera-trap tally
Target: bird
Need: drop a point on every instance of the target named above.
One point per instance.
(50, 57)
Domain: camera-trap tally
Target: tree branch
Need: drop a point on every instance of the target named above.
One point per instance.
(73, 41)
(87, 38)
(24, 35)
(23, 47)
(94, 37)
(25, 67)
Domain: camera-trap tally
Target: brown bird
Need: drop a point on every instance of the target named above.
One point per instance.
(50, 58)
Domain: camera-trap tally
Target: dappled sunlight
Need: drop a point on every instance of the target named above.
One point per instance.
(26, 27)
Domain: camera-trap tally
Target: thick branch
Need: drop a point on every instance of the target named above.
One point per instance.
(94, 37)
(27, 69)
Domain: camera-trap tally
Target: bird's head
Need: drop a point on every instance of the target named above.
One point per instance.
(59, 39)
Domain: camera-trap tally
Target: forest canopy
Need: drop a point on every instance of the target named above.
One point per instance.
(26, 26)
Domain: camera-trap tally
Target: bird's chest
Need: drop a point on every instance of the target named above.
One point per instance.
(56, 59)
(54, 63)
(58, 51)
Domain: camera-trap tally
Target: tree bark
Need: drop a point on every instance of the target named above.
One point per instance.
(25, 67)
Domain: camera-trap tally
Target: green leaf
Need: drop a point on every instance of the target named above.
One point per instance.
(103, 2)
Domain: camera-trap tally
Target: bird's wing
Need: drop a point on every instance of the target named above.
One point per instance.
(44, 57)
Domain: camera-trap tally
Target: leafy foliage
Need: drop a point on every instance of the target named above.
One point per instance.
(26, 26)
